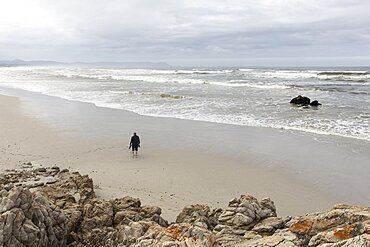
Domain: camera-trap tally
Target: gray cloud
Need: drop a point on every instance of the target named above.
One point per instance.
(185, 31)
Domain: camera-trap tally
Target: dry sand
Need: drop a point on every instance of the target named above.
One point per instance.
(181, 162)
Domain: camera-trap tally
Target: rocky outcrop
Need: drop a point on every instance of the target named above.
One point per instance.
(184, 234)
(244, 213)
(241, 216)
(28, 220)
(269, 225)
(341, 223)
(200, 215)
(53, 207)
(128, 209)
(362, 240)
(88, 221)
(344, 225)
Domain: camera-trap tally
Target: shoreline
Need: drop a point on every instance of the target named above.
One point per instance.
(193, 171)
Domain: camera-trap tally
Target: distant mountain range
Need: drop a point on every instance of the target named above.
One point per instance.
(130, 65)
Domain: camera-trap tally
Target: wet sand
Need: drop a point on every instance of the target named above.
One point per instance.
(183, 162)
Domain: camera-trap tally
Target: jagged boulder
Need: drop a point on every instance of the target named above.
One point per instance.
(176, 235)
(361, 241)
(125, 203)
(244, 213)
(229, 236)
(68, 188)
(199, 214)
(129, 209)
(128, 235)
(341, 223)
(269, 225)
(97, 213)
(69, 191)
(340, 233)
(240, 216)
(269, 241)
(26, 220)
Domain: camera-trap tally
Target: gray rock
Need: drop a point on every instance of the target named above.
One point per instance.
(29, 223)
(177, 235)
(340, 223)
(200, 215)
(359, 241)
(270, 241)
(128, 235)
(125, 203)
(34, 185)
(286, 244)
(126, 217)
(269, 225)
(244, 213)
(229, 236)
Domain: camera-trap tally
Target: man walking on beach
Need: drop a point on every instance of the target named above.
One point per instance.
(135, 144)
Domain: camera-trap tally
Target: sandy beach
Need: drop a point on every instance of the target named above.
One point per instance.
(183, 162)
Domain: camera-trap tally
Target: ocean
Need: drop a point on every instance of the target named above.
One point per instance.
(240, 96)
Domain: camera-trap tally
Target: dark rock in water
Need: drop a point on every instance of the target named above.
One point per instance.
(315, 103)
(304, 101)
(300, 100)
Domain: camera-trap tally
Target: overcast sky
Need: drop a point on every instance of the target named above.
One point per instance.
(188, 32)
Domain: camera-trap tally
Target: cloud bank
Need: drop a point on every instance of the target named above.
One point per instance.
(227, 32)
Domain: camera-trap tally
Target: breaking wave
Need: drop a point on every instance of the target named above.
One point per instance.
(244, 96)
